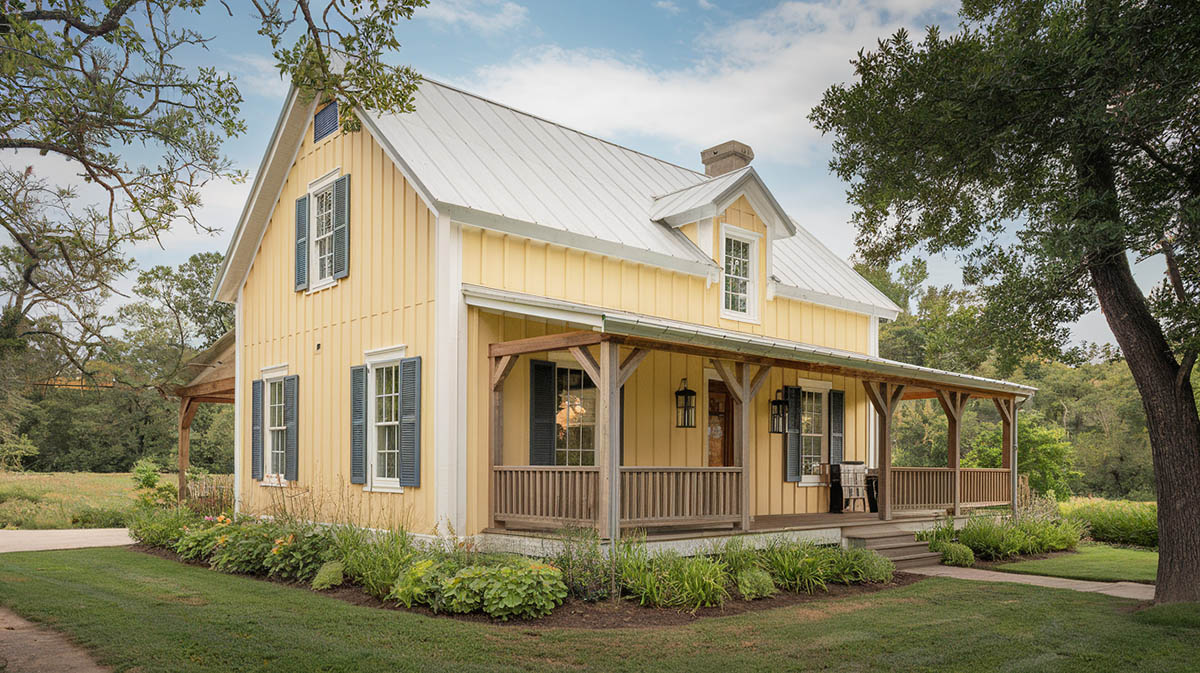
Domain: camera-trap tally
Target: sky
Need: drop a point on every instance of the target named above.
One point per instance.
(664, 77)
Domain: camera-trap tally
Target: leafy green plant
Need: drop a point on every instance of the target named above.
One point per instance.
(698, 581)
(525, 591)
(146, 473)
(754, 583)
(942, 530)
(299, 551)
(374, 560)
(1115, 521)
(586, 569)
(464, 591)
(331, 574)
(795, 566)
(199, 542)
(417, 584)
(160, 527)
(642, 574)
(953, 553)
(992, 538)
(848, 566)
(736, 555)
(99, 517)
(246, 548)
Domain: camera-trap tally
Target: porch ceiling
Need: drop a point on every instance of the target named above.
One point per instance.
(655, 333)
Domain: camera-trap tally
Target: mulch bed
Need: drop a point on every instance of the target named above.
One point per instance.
(577, 614)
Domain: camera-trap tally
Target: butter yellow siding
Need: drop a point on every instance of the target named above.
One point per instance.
(650, 435)
(387, 300)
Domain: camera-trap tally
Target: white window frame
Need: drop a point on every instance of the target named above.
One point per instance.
(752, 239)
(270, 375)
(377, 359)
(321, 184)
(822, 388)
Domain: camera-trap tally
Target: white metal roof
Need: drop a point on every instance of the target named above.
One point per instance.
(486, 164)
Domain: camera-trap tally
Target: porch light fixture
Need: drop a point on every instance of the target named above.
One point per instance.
(685, 406)
(779, 410)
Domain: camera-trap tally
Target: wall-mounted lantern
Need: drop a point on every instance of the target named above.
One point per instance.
(685, 406)
(779, 411)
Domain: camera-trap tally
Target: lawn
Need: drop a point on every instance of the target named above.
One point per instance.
(53, 499)
(152, 614)
(1093, 562)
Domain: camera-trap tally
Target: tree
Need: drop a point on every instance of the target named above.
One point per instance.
(1047, 143)
(1046, 455)
(100, 84)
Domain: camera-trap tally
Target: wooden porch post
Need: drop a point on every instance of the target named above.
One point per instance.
(953, 404)
(187, 412)
(884, 397)
(498, 370)
(1008, 445)
(608, 432)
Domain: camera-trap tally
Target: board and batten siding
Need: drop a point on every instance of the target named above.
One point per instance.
(518, 264)
(387, 300)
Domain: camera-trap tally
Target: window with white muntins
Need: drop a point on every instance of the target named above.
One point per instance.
(322, 236)
(812, 432)
(276, 432)
(575, 418)
(739, 280)
(387, 423)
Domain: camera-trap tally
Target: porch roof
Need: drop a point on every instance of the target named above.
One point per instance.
(752, 346)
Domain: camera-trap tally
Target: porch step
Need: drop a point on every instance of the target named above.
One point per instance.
(928, 558)
(901, 546)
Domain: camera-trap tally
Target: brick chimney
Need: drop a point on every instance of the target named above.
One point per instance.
(728, 156)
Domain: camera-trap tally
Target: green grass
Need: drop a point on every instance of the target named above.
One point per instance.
(63, 499)
(148, 613)
(1094, 562)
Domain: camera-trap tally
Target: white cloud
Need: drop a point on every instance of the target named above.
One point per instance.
(705, 4)
(481, 16)
(258, 76)
(668, 6)
(756, 79)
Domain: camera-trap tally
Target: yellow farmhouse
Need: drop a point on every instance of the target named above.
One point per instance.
(471, 319)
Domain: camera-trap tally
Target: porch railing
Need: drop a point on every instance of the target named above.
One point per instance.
(549, 495)
(921, 487)
(986, 486)
(680, 496)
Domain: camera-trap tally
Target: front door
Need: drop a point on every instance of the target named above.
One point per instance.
(720, 425)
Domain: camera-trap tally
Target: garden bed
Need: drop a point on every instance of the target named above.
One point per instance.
(579, 614)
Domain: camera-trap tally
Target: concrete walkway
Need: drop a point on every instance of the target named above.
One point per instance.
(38, 540)
(1141, 592)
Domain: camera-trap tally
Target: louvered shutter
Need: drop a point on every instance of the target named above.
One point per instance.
(358, 425)
(410, 421)
(256, 430)
(325, 121)
(291, 386)
(837, 425)
(341, 227)
(791, 442)
(302, 243)
(543, 403)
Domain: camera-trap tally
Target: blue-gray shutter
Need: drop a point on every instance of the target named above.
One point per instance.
(256, 430)
(302, 243)
(837, 425)
(791, 442)
(341, 227)
(410, 421)
(358, 425)
(543, 403)
(291, 443)
(325, 121)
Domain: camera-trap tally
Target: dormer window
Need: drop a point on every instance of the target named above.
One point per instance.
(739, 280)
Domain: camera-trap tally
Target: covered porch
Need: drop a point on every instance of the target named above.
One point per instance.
(674, 499)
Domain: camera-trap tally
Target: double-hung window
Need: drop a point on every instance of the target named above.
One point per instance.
(806, 440)
(739, 279)
(575, 417)
(812, 432)
(322, 241)
(385, 422)
(276, 462)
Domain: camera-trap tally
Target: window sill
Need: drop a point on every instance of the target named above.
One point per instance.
(273, 481)
(379, 488)
(740, 317)
(323, 285)
(806, 482)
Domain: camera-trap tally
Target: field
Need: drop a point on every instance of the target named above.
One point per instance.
(64, 499)
(1121, 522)
(1093, 562)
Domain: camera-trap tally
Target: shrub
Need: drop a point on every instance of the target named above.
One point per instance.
(736, 555)
(373, 560)
(246, 548)
(943, 530)
(99, 517)
(754, 583)
(1115, 521)
(992, 538)
(299, 551)
(857, 565)
(697, 582)
(1047, 535)
(795, 566)
(160, 527)
(331, 574)
(953, 553)
(146, 473)
(199, 542)
(417, 584)
(526, 591)
(586, 569)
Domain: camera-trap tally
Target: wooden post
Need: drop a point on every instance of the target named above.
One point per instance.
(953, 403)
(1006, 408)
(884, 397)
(742, 437)
(608, 432)
(498, 370)
(187, 412)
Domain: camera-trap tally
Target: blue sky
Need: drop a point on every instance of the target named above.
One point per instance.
(666, 77)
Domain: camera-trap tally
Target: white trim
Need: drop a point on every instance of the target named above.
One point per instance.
(506, 301)
(386, 354)
(377, 358)
(274, 374)
(422, 191)
(753, 291)
(872, 420)
(325, 182)
(461, 384)
(813, 384)
(239, 398)
(704, 234)
(832, 301)
(274, 371)
(448, 442)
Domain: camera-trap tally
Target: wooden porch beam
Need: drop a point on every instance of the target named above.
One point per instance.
(742, 450)
(884, 397)
(608, 432)
(549, 342)
(1007, 409)
(220, 387)
(953, 403)
(584, 357)
(630, 364)
(501, 370)
(756, 384)
(730, 379)
(187, 413)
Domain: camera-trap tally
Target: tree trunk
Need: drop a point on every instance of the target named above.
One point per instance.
(1172, 420)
